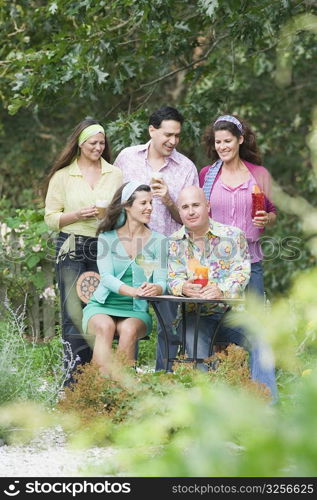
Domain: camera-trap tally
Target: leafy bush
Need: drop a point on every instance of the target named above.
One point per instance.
(119, 394)
(218, 430)
(28, 370)
(24, 244)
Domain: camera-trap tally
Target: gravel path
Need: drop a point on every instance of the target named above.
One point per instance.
(48, 456)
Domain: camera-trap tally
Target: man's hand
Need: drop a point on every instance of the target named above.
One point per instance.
(211, 292)
(160, 189)
(191, 289)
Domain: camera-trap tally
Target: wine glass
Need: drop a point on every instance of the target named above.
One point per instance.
(148, 266)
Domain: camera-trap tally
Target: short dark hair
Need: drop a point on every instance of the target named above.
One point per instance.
(165, 113)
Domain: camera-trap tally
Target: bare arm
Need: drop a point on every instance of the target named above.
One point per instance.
(82, 214)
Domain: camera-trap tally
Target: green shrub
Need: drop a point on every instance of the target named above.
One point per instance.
(28, 370)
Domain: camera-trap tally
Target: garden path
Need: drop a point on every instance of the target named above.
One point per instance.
(49, 456)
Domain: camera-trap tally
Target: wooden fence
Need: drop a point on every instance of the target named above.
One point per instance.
(42, 315)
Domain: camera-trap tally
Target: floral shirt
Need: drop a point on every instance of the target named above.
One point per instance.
(225, 253)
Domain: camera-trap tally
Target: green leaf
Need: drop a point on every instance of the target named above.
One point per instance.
(53, 8)
(32, 260)
(102, 76)
(38, 279)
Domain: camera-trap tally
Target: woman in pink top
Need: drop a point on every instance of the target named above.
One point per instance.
(228, 184)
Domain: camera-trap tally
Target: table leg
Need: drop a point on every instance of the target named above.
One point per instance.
(196, 332)
(160, 319)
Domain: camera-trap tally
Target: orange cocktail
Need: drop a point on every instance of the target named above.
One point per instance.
(201, 275)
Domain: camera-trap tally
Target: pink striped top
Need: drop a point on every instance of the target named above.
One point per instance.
(233, 206)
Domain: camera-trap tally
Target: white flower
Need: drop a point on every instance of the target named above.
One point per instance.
(48, 294)
(37, 248)
(22, 227)
(4, 230)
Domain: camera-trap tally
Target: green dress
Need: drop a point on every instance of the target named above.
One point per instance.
(117, 305)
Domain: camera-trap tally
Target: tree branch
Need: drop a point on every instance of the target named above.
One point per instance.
(187, 66)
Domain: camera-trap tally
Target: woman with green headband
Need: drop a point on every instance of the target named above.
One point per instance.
(81, 175)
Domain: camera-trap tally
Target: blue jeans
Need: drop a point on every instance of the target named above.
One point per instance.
(207, 327)
(68, 270)
(261, 357)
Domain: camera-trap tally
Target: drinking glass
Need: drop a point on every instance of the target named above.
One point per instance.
(201, 275)
(258, 200)
(101, 206)
(148, 266)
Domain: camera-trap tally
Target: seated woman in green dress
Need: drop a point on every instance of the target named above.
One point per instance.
(127, 249)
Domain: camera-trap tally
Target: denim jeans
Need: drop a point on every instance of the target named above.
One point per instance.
(262, 365)
(68, 270)
(207, 327)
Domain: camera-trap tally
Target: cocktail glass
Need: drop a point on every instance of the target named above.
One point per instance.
(201, 275)
(148, 266)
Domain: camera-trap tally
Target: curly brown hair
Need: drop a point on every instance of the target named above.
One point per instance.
(248, 150)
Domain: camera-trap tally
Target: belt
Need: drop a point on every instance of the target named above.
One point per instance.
(69, 245)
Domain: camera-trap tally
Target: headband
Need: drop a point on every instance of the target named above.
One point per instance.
(128, 190)
(89, 131)
(232, 119)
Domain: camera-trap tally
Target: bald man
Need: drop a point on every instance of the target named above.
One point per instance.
(224, 250)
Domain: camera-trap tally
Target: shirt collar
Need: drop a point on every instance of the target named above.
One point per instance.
(75, 170)
(145, 148)
(244, 185)
(183, 233)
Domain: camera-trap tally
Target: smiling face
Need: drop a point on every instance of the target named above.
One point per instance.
(165, 138)
(141, 208)
(194, 209)
(227, 145)
(93, 148)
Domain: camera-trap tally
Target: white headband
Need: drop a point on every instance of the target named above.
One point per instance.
(128, 190)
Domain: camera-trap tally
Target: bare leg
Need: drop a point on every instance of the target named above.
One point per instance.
(103, 328)
(130, 330)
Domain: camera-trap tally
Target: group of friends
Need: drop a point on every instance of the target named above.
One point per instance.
(175, 219)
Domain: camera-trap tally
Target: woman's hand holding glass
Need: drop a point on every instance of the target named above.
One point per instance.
(86, 213)
(261, 218)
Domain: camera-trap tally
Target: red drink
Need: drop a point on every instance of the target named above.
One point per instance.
(258, 203)
(201, 281)
(201, 275)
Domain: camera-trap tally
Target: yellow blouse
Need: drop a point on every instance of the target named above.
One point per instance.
(68, 191)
